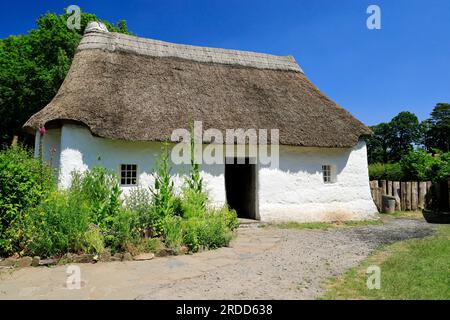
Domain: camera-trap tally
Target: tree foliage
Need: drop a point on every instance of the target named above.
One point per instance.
(378, 145)
(404, 133)
(33, 67)
(393, 140)
(437, 128)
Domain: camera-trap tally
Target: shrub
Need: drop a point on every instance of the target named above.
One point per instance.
(385, 171)
(93, 240)
(441, 167)
(100, 188)
(212, 230)
(154, 245)
(122, 231)
(84, 218)
(416, 165)
(139, 201)
(59, 224)
(24, 181)
(173, 232)
(420, 165)
(193, 203)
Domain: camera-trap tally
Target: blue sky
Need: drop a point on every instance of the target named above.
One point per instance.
(372, 73)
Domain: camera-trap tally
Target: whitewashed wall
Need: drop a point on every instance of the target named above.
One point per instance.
(296, 191)
(293, 192)
(80, 151)
(51, 146)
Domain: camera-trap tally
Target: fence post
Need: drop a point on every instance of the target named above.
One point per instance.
(422, 194)
(383, 187)
(403, 195)
(374, 191)
(408, 196)
(396, 194)
(429, 185)
(414, 195)
(389, 188)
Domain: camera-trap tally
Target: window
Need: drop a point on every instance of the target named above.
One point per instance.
(128, 174)
(329, 173)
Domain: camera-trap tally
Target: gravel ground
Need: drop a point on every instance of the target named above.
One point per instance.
(262, 263)
(295, 267)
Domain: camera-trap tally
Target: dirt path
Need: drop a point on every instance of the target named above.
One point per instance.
(262, 263)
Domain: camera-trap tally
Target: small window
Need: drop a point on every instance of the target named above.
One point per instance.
(329, 174)
(128, 173)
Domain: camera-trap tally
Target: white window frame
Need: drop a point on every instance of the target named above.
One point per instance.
(125, 179)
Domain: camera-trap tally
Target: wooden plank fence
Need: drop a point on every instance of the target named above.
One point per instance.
(410, 195)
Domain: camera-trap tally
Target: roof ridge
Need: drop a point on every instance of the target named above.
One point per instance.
(96, 38)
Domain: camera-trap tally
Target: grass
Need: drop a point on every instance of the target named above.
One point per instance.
(410, 269)
(327, 225)
(403, 214)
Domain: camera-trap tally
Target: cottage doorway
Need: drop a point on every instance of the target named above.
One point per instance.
(241, 187)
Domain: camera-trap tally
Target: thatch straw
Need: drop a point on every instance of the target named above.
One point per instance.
(133, 94)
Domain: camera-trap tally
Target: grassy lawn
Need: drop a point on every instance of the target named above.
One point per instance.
(402, 214)
(327, 225)
(411, 269)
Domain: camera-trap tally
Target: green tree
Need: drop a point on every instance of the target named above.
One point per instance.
(404, 134)
(33, 67)
(378, 144)
(437, 128)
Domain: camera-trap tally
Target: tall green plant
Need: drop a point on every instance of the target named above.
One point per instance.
(194, 198)
(194, 181)
(163, 199)
(100, 188)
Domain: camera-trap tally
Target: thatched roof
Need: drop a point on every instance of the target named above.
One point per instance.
(125, 87)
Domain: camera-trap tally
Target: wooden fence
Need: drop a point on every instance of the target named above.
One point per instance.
(410, 195)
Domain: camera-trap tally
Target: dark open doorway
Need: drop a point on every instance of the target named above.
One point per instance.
(241, 187)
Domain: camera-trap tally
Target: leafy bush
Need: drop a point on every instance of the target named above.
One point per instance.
(416, 165)
(24, 181)
(441, 167)
(84, 218)
(385, 171)
(193, 203)
(59, 224)
(141, 245)
(122, 231)
(173, 232)
(93, 241)
(139, 201)
(89, 216)
(212, 230)
(422, 166)
(100, 188)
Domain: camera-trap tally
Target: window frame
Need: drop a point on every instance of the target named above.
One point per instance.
(329, 175)
(125, 180)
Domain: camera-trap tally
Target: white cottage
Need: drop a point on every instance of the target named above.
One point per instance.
(124, 95)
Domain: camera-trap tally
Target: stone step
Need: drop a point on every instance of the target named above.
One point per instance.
(250, 223)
